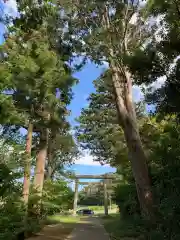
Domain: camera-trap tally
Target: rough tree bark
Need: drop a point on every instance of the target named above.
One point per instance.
(122, 83)
(40, 162)
(49, 174)
(27, 164)
(123, 89)
(50, 168)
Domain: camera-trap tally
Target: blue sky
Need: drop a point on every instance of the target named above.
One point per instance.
(82, 90)
(89, 169)
(90, 72)
(1, 31)
(1, 25)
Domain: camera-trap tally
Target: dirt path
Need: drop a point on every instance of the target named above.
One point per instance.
(90, 229)
(54, 232)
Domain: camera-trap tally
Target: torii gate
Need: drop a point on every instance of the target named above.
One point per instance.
(104, 177)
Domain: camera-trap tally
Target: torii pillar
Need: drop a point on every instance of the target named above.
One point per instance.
(75, 196)
(105, 198)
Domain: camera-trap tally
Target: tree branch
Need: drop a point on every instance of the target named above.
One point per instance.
(177, 7)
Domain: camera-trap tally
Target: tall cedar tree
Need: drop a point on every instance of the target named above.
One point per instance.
(41, 19)
(38, 73)
(106, 31)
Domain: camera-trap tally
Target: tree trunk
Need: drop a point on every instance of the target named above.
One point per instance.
(40, 162)
(123, 89)
(27, 164)
(105, 198)
(76, 182)
(50, 172)
(140, 168)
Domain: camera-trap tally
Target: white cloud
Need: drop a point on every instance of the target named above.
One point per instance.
(105, 65)
(133, 19)
(87, 159)
(10, 8)
(137, 93)
(157, 84)
(72, 132)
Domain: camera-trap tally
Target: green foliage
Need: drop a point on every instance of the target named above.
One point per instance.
(7, 181)
(163, 141)
(12, 209)
(32, 59)
(11, 219)
(57, 197)
(99, 129)
(36, 82)
(94, 200)
(35, 86)
(165, 175)
(62, 150)
(125, 197)
(160, 57)
(119, 228)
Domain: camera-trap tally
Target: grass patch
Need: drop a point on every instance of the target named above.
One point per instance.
(118, 228)
(63, 219)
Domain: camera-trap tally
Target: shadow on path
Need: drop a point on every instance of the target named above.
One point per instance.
(88, 228)
(54, 231)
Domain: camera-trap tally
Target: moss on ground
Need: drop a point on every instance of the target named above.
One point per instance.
(123, 229)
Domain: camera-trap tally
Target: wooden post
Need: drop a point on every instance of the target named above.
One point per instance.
(105, 198)
(75, 196)
(110, 202)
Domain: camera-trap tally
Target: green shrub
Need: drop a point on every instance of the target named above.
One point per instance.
(12, 219)
(165, 171)
(164, 163)
(12, 209)
(126, 199)
(57, 197)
